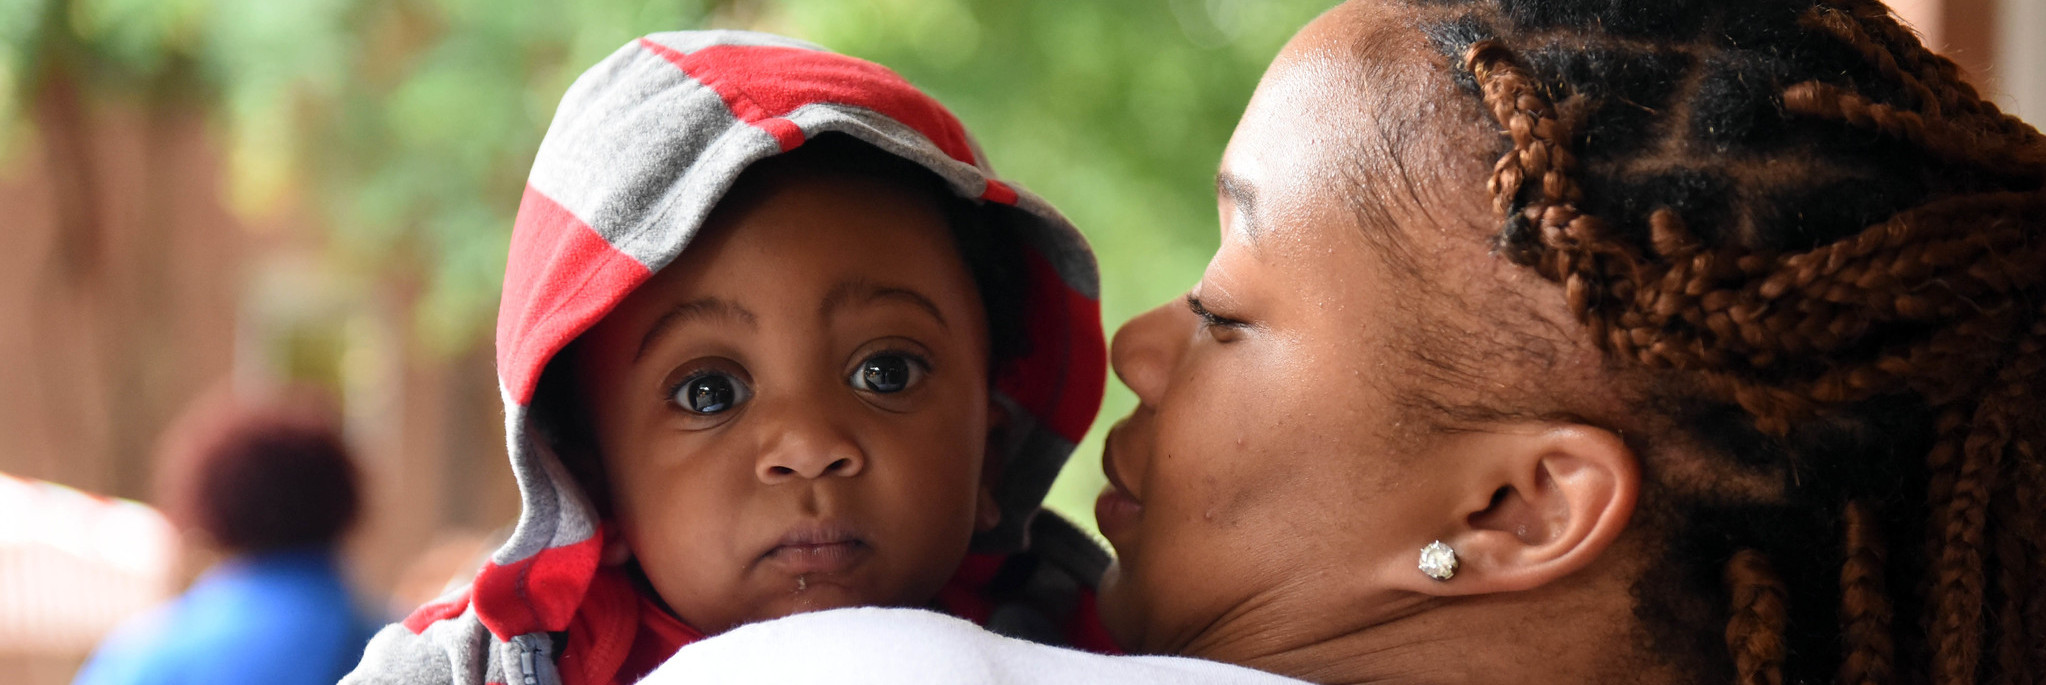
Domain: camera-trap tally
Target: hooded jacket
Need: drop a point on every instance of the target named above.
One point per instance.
(643, 146)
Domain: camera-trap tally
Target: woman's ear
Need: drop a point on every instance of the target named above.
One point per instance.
(1537, 505)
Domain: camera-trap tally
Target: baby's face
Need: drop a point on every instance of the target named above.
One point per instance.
(793, 415)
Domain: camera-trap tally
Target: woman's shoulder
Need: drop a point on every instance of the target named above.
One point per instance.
(876, 645)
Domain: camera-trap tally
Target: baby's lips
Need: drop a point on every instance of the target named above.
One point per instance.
(817, 547)
(818, 532)
(821, 558)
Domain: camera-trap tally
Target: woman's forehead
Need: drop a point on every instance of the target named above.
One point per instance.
(1290, 147)
(1354, 115)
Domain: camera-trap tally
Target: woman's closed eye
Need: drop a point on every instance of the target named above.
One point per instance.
(1223, 327)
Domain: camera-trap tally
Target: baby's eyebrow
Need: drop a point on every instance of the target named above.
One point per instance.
(862, 290)
(693, 310)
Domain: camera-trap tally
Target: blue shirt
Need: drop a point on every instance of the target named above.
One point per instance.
(282, 617)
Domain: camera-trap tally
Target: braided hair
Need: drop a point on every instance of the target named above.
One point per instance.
(1823, 246)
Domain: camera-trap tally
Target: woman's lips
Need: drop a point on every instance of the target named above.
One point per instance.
(817, 548)
(1116, 510)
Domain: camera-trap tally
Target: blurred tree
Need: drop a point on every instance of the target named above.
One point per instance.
(410, 124)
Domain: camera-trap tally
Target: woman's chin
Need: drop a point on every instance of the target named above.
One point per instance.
(1116, 607)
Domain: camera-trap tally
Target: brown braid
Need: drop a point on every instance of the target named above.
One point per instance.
(1937, 304)
(1864, 607)
(1754, 636)
(1539, 149)
(1939, 73)
(2016, 538)
(2023, 558)
(1958, 574)
(1944, 140)
(2013, 571)
(1852, 32)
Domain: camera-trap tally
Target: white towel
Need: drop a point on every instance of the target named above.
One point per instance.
(908, 647)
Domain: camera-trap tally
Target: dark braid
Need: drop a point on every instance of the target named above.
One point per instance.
(1864, 605)
(1793, 208)
(1754, 635)
(1955, 93)
(2025, 613)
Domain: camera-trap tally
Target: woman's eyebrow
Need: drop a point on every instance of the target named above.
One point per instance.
(863, 291)
(695, 310)
(1244, 196)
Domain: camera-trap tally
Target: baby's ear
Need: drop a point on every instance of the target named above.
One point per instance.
(615, 551)
(988, 512)
(998, 428)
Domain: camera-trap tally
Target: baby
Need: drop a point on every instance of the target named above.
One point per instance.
(773, 339)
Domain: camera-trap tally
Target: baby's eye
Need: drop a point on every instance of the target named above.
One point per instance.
(888, 372)
(711, 393)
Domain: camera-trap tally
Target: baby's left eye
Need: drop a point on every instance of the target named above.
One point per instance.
(887, 373)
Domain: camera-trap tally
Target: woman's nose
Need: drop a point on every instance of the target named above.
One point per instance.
(1145, 350)
(806, 445)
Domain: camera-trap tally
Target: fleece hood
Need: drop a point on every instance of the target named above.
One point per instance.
(642, 148)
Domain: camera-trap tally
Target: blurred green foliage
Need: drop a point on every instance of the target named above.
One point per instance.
(410, 124)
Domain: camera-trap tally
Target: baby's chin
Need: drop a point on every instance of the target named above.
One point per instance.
(814, 594)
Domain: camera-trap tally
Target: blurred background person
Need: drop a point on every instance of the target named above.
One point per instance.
(268, 484)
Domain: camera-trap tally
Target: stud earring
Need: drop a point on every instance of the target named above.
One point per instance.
(1438, 561)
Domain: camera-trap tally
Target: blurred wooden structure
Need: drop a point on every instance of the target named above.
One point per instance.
(127, 288)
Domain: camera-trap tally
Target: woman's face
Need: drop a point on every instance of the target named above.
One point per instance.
(1265, 489)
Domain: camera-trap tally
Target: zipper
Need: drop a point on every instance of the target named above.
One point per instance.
(533, 649)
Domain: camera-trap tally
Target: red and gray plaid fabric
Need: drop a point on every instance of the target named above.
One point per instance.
(642, 147)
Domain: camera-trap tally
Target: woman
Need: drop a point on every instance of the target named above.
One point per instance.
(1565, 341)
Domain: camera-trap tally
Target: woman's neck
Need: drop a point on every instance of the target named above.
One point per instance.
(1580, 630)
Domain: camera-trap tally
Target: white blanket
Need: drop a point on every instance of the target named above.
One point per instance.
(909, 647)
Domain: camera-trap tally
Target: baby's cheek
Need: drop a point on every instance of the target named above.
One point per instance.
(942, 444)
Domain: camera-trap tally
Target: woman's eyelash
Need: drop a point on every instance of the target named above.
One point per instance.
(1209, 318)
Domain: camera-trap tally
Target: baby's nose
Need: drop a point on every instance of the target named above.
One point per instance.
(808, 449)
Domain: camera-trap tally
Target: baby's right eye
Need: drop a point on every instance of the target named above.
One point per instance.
(710, 393)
